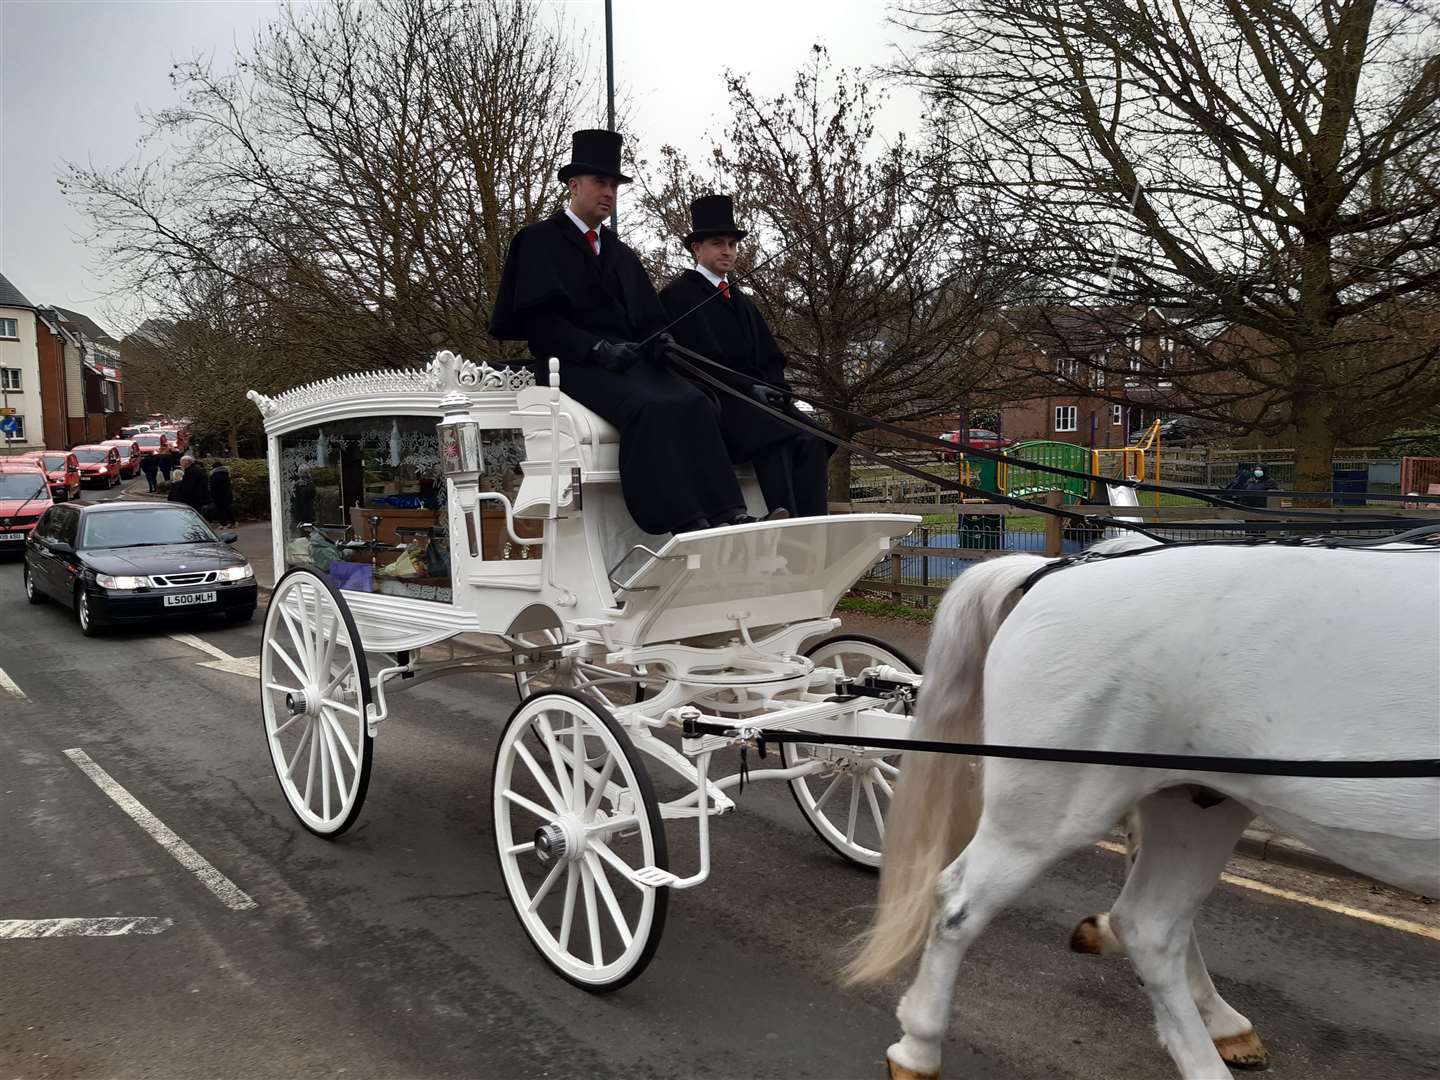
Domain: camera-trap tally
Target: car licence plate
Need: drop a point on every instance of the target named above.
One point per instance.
(12, 536)
(189, 599)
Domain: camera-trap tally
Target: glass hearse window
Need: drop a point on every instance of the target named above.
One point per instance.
(364, 502)
(502, 450)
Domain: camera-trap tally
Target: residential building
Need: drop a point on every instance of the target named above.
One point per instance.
(95, 401)
(21, 409)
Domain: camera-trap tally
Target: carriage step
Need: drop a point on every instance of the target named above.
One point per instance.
(654, 877)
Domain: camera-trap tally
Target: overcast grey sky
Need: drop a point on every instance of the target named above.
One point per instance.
(75, 77)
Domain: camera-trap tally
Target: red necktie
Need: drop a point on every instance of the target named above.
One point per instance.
(594, 239)
(724, 288)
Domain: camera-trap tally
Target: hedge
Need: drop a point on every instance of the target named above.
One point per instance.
(250, 479)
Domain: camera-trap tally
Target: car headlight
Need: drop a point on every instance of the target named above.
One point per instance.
(107, 582)
(235, 573)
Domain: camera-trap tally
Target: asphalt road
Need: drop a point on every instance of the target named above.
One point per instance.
(393, 952)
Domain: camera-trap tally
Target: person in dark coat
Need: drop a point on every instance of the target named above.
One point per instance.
(150, 465)
(571, 289)
(222, 494)
(193, 487)
(790, 465)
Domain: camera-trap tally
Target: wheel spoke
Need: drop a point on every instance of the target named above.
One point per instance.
(310, 773)
(608, 895)
(534, 807)
(599, 792)
(324, 773)
(592, 915)
(875, 808)
(286, 724)
(603, 850)
(824, 795)
(577, 770)
(557, 760)
(328, 657)
(343, 740)
(524, 754)
(280, 651)
(520, 849)
(297, 639)
(854, 809)
(884, 784)
(567, 918)
(304, 738)
(609, 825)
(340, 706)
(888, 769)
(545, 885)
(309, 614)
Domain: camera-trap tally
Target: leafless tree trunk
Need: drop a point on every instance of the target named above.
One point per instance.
(1265, 168)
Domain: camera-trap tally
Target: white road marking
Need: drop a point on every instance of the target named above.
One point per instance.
(184, 854)
(1388, 921)
(106, 927)
(248, 666)
(11, 687)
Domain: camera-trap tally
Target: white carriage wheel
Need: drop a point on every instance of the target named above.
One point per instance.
(847, 801)
(315, 693)
(570, 838)
(612, 695)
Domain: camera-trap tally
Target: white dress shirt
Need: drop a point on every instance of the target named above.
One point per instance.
(579, 224)
(710, 275)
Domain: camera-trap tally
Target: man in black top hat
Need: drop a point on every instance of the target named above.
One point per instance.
(790, 465)
(572, 290)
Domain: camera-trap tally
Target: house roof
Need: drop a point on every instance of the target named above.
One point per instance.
(11, 296)
(86, 326)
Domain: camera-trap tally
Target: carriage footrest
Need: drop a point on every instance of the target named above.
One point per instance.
(654, 877)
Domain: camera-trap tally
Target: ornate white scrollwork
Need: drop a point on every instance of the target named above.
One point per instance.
(446, 373)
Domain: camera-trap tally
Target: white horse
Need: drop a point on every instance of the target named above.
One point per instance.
(1229, 651)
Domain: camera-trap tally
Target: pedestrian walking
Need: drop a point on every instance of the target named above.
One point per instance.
(222, 494)
(150, 465)
(193, 487)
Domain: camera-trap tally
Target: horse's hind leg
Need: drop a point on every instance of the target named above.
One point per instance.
(998, 865)
(1233, 1034)
(1183, 853)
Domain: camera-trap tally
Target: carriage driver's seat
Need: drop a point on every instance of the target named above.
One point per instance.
(585, 440)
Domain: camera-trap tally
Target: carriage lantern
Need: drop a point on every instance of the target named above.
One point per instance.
(459, 435)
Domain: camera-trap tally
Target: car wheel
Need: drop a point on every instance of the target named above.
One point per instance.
(31, 593)
(88, 626)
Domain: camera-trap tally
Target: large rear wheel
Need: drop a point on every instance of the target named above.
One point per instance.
(847, 799)
(315, 695)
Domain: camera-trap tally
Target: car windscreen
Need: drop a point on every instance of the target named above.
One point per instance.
(22, 485)
(55, 462)
(144, 525)
(92, 455)
(148, 440)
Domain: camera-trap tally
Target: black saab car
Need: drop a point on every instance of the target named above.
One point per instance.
(120, 562)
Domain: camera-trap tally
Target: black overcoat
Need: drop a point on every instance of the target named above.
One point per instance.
(561, 298)
(734, 333)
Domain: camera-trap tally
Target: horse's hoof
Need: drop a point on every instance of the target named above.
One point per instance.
(1088, 937)
(1243, 1051)
(900, 1072)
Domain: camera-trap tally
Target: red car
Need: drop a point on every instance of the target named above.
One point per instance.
(980, 439)
(153, 442)
(24, 496)
(129, 455)
(99, 464)
(63, 470)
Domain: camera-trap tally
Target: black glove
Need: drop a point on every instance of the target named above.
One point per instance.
(768, 395)
(660, 346)
(615, 355)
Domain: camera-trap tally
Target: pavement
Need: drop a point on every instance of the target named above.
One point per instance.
(394, 952)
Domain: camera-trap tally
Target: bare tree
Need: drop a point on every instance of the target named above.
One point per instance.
(361, 172)
(873, 292)
(1262, 171)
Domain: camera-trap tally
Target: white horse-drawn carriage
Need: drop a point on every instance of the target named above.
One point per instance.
(461, 518)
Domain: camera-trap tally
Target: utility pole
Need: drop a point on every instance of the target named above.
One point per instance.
(610, 97)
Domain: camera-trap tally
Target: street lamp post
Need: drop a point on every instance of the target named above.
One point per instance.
(610, 97)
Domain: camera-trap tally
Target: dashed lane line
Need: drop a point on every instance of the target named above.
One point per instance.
(11, 687)
(223, 888)
(115, 926)
(1388, 921)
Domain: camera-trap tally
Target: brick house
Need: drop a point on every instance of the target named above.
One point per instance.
(95, 398)
(20, 385)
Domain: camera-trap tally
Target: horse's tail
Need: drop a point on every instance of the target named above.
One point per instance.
(938, 797)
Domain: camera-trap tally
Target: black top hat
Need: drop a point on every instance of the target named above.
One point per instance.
(594, 152)
(712, 215)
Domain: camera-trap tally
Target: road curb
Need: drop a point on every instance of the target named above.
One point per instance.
(1277, 848)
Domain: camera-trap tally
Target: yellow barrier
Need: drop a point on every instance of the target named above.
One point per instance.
(1131, 461)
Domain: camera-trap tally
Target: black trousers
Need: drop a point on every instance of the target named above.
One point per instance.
(674, 468)
(793, 474)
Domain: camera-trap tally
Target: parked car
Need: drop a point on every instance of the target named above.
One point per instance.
(99, 464)
(24, 497)
(980, 439)
(136, 562)
(153, 442)
(63, 470)
(132, 430)
(129, 456)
